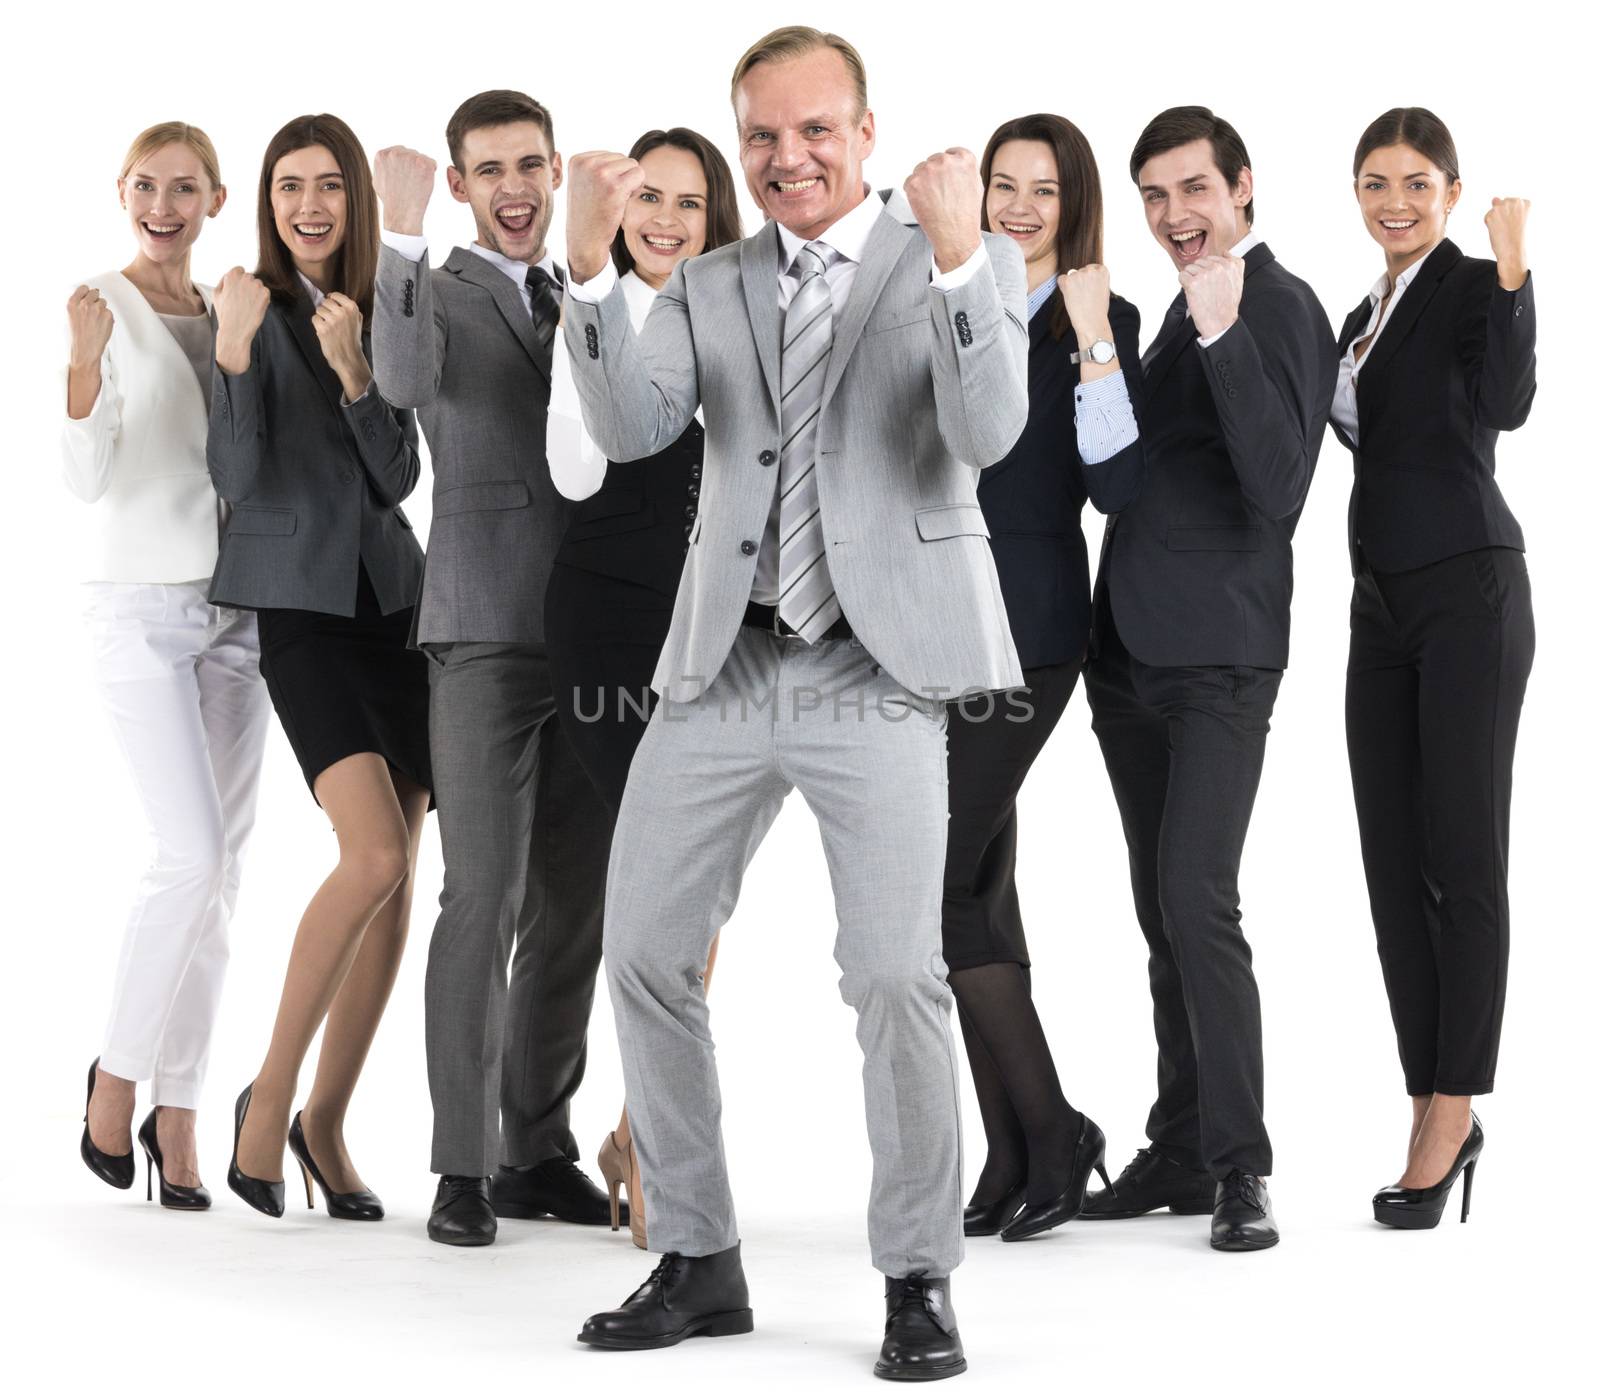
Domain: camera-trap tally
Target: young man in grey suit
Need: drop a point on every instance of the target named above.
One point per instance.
(523, 831)
(854, 371)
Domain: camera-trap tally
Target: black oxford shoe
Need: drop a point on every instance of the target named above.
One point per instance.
(920, 1339)
(462, 1215)
(1153, 1181)
(1241, 1219)
(683, 1296)
(556, 1187)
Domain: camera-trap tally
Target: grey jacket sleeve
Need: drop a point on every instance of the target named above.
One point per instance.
(234, 432)
(409, 331)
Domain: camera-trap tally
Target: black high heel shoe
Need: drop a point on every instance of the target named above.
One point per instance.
(984, 1220)
(190, 1198)
(115, 1170)
(265, 1196)
(1088, 1153)
(1400, 1207)
(363, 1206)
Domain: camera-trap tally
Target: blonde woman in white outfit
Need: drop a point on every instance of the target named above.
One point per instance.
(178, 675)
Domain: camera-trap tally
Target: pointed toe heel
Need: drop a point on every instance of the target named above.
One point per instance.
(182, 1197)
(358, 1206)
(264, 1196)
(116, 1170)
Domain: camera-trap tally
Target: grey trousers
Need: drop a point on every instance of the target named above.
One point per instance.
(524, 835)
(705, 786)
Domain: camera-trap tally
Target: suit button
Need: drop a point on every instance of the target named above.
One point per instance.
(688, 529)
(1518, 311)
(348, 477)
(747, 548)
(694, 491)
(767, 457)
(688, 511)
(591, 340)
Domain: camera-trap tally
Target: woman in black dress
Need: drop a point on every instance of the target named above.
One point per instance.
(1436, 362)
(1042, 189)
(611, 593)
(315, 465)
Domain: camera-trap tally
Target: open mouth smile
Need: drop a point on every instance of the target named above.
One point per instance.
(662, 244)
(1189, 243)
(1021, 230)
(514, 218)
(312, 232)
(795, 186)
(162, 232)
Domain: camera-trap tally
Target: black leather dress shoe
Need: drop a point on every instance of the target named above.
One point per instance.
(556, 1187)
(1153, 1181)
(982, 1220)
(1088, 1155)
(683, 1296)
(462, 1215)
(1241, 1219)
(920, 1339)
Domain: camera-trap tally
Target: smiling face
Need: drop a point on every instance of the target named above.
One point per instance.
(168, 199)
(509, 175)
(1404, 199)
(665, 221)
(1188, 205)
(1023, 201)
(802, 140)
(309, 208)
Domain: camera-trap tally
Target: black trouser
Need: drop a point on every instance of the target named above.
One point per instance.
(1439, 661)
(1183, 746)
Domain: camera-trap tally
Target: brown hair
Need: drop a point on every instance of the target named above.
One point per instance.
(1416, 127)
(500, 106)
(1178, 126)
(358, 254)
(174, 133)
(1080, 235)
(795, 41)
(722, 204)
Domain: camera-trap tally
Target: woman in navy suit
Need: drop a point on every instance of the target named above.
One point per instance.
(1437, 361)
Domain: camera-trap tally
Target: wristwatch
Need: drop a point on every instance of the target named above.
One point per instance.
(1101, 352)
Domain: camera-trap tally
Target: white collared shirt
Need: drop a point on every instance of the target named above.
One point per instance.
(413, 246)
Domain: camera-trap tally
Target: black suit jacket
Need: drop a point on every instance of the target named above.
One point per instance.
(1033, 498)
(1199, 570)
(1453, 368)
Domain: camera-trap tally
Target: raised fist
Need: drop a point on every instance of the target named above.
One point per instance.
(403, 179)
(1087, 294)
(337, 322)
(1507, 221)
(1213, 286)
(947, 197)
(91, 322)
(599, 185)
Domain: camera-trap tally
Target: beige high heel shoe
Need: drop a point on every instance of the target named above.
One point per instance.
(619, 1167)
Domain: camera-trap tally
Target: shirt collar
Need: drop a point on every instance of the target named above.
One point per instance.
(314, 291)
(1038, 296)
(847, 236)
(517, 271)
(1243, 246)
(1380, 288)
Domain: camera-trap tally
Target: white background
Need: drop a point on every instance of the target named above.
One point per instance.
(113, 1295)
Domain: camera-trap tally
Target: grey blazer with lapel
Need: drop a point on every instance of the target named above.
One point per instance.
(315, 483)
(923, 388)
(457, 344)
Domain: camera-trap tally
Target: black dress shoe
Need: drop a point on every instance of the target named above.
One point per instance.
(264, 1196)
(462, 1215)
(920, 1339)
(1153, 1181)
(1401, 1207)
(360, 1205)
(684, 1296)
(982, 1220)
(1241, 1219)
(189, 1198)
(556, 1187)
(1088, 1154)
(115, 1170)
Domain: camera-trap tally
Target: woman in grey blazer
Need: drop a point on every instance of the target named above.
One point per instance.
(316, 464)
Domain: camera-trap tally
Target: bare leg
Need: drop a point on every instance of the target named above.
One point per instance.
(1444, 1130)
(111, 1112)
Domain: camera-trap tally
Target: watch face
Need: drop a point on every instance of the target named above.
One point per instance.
(1102, 351)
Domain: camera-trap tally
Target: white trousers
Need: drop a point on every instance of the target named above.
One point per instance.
(182, 684)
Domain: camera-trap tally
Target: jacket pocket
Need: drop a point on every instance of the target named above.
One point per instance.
(1232, 539)
(260, 519)
(489, 495)
(950, 521)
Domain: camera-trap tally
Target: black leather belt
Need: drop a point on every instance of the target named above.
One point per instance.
(765, 618)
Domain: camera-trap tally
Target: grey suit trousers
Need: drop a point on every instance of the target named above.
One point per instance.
(705, 786)
(524, 835)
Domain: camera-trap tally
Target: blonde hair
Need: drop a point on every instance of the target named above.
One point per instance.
(169, 133)
(795, 41)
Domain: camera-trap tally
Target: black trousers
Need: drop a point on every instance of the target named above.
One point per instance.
(1184, 748)
(1439, 662)
(993, 741)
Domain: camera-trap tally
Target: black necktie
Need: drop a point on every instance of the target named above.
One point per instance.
(546, 306)
(1177, 313)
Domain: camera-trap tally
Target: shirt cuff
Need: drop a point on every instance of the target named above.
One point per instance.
(1208, 340)
(597, 288)
(411, 246)
(1102, 393)
(960, 276)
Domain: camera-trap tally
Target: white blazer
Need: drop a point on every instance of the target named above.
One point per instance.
(140, 455)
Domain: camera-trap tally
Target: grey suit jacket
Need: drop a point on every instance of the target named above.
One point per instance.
(315, 483)
(923, 388)
(457, 344)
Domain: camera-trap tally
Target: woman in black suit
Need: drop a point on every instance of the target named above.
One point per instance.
(1437, 361)
(1043, 190)
(315, 465)
(609, 603)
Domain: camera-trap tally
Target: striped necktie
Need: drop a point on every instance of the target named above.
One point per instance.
(806, 600)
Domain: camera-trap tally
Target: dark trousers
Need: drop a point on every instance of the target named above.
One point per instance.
(1184, 747)
(1439, 661)
(525, 838)
(993, 741)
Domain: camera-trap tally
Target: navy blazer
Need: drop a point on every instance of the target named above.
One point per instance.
(1453, 368)
(1033, 498)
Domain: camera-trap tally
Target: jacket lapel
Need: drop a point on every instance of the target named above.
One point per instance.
(299, 318)
(127, 301)
(507, 299)
(758, 267)
(886, 245)
(1412, 304)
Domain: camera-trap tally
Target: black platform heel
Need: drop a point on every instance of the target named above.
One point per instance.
(1088, 1154)
(116, 1170)
(1423, 1208)
(265, 1196)
(189, 1198)
(362, 1206)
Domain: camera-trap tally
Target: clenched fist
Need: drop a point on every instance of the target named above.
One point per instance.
(91, 322)
(337, 322)
(1213, 286)
(403, 179)
(947, 197)
(599, 185)
(240, 302)
(1087, 294)
(1507, 221)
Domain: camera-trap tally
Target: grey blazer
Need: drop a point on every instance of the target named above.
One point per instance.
(457, 344)
(923, 387)
(315, 483)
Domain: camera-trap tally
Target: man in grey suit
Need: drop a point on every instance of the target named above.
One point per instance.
(854, 370)
(522, 828)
